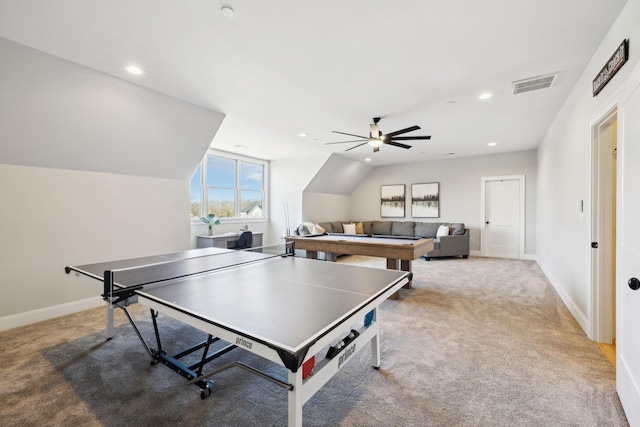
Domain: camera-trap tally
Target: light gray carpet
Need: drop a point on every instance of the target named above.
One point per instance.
(477, 342)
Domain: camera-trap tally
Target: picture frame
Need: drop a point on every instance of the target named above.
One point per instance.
(392, 201)
(425, 200)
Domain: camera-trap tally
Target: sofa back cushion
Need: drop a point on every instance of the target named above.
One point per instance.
(402, 228)
(327, 226)
(336, 226)
(381, 227)
(427, 229)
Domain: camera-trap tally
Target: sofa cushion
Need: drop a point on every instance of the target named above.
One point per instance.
(381, 227)
(427, 229)
(349, 228)
(402, 228)
(337, 227)
(366, 226)
(359, 228)
(457, 228)
(327, 226)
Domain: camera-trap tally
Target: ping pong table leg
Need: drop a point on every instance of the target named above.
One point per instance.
(295, 399)
(110, 313)
(375, 341)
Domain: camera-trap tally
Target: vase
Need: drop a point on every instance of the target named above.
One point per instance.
(210, 233)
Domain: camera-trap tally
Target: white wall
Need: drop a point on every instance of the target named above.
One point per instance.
(52, 218)
(320, 207)
(460, 189)
(138, 148)
(287, 182)
(563, 243)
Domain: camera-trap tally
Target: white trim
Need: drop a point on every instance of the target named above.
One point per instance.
(600, 322)
(483, 182)
(47, 313)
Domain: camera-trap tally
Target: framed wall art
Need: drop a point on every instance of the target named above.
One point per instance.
(425, 200)
(392, 198)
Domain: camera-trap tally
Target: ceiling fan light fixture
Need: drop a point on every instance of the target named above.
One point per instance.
(375, 142)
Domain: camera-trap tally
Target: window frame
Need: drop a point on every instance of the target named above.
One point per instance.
(237, 158)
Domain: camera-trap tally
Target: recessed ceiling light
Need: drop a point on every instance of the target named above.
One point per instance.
(485, 95)
(492, 144)
(227, 11)
(134, 70)
(368, 159)
(302, 135)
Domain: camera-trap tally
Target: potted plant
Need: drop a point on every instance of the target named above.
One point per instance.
(211, 220)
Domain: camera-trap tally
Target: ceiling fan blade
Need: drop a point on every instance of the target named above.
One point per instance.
(409, 138)
(359, 145)
(350, 134)
(397, 144)
(342, 142)
(401, 131)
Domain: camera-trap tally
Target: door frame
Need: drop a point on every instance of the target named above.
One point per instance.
(521, 214)
(601, 322)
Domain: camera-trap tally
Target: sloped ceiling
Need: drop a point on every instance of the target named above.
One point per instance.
(58, 114)
(338, 175)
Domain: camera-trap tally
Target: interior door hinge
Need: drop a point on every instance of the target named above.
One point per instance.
(594, 245)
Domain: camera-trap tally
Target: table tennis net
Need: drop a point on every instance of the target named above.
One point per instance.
(159, 272)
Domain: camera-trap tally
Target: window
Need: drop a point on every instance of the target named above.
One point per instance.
(229, 186)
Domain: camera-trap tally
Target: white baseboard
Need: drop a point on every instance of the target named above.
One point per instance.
(578, 314)
(35, 316)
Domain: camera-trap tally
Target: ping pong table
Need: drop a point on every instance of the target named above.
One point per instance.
(310, 317)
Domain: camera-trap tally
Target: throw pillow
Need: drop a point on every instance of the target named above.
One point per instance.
(319, 229)
(457, 228)
(359, 228)
(349, 228)
(443, 230)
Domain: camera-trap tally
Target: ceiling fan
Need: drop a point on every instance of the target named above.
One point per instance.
(376, 138)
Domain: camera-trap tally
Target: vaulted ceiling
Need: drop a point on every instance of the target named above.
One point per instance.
(281, 68)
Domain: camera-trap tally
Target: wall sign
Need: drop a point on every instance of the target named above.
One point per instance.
(612, 66)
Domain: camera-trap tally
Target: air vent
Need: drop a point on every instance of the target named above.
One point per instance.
(534, 83)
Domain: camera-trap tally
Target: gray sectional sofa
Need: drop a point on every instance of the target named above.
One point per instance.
(455, 243)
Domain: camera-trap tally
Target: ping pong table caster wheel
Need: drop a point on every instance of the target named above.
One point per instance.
(205, 392)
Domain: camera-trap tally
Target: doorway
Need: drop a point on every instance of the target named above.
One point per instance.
(603, 231)
(502, 228)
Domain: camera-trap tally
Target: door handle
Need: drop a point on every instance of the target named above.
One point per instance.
(634, 283)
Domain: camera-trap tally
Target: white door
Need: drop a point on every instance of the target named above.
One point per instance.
(503, 219)
(628, 260)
